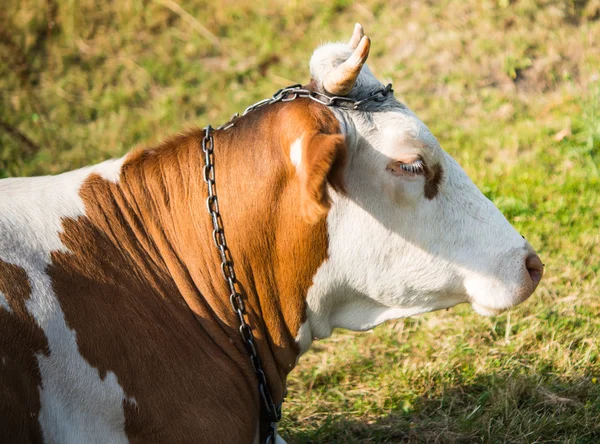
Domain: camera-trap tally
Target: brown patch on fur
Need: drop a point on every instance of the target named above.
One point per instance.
(323, 159)
(20, 341)
(324, 155)
(142, 285)
(433, 181)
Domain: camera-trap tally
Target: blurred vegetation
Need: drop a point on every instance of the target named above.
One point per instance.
(511, 88)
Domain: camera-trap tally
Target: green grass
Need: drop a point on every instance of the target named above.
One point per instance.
(511, 88)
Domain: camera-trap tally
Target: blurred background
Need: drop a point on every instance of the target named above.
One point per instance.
(511, 88)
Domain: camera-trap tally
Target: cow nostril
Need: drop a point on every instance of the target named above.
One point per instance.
(535, 268)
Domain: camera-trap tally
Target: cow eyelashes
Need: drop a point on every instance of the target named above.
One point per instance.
(416, 167)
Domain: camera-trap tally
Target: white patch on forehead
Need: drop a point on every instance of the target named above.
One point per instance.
(296, 153)
(77, 405)
(400, 132)
(327, 57)
(4, 303)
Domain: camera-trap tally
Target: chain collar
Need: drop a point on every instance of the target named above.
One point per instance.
(294, 92)
(272, 410)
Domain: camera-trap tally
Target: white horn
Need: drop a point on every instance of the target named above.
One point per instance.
(341, 79)
(356, 36)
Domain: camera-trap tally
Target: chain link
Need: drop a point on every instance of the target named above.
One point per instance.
(272, 411)
(288, 94)
(294, 92)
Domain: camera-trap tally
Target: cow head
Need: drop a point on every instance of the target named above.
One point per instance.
(411, 233)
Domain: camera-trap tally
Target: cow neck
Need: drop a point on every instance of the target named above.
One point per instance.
(276, 253)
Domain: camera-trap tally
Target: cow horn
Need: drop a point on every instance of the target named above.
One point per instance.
(341, 79)
(356, 36)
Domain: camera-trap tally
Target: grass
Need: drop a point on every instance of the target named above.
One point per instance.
(511, 88)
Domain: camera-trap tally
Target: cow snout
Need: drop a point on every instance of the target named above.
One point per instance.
(535, 268)
(531, 274)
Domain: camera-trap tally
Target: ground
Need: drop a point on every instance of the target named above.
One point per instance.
(511, 88)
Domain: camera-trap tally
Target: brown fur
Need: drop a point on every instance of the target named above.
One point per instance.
(20, 377)
(142, 285)
(434, 178)
(323, 159)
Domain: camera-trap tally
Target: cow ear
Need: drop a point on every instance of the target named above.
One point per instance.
(323, 162)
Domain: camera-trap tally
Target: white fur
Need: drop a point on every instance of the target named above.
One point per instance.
(304, 337)
(77, 405)
(4, 303)
(110, 170)
(392, 251)
(296, 153)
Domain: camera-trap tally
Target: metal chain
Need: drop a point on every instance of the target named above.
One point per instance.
(288, 94)
(294, 92)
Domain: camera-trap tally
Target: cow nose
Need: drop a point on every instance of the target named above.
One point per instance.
(535, 268)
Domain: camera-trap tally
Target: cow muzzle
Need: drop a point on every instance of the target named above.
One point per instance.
(519, 276)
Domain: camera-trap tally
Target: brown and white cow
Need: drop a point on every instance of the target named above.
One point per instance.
(115, 323)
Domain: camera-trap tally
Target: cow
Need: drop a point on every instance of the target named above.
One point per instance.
(116, 324)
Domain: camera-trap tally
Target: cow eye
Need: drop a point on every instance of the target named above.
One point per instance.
(409, 167)
(416, 167)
